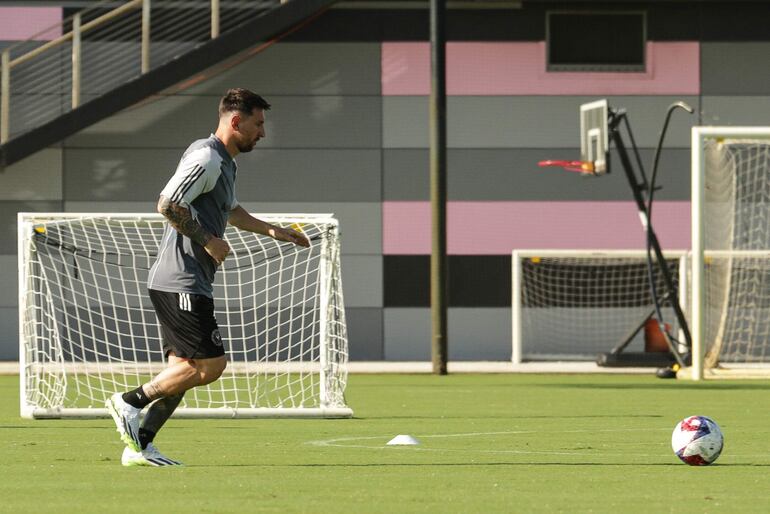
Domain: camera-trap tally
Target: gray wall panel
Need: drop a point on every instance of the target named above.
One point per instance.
(138, 207)
(324, 122)
(9, 334)
(303, 69)
(405, 122)
(31, 110)
(8, 220)
(9, 281)
(407, 334)
(479, 334)
(108, 64)
(294, 122)
(309, 176)
(525, 121)
(161, 122)
(48, 73)
(360, 223)
(118, 174)
(513, 174)
(362, 280)
(103, 174)
(38, 177)
(406, 174)
(364, 334)
(736, 110)
(735, 68)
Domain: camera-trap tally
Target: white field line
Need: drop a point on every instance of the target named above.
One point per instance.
(337, 442)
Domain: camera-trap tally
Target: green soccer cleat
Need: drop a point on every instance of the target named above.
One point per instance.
(150, 456)
(126, 419)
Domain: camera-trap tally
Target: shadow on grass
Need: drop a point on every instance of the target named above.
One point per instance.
(670, 386)
(473, 465)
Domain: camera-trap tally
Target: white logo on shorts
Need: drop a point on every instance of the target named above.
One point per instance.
(216, 337)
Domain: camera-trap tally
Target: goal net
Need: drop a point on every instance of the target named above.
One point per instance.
(731, 250)
(572, 305)
(87, 327)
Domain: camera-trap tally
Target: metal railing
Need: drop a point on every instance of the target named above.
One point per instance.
(102, 47)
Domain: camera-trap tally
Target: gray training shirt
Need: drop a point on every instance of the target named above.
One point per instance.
(204, 182)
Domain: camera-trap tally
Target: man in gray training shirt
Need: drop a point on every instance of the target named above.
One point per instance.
(198, 202)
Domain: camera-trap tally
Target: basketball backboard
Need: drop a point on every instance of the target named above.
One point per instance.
(594, 136)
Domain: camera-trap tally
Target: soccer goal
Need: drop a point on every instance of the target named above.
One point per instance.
(572, 305)
(731, 251)
(87, 328)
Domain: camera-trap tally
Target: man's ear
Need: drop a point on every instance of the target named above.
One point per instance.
(235, 120)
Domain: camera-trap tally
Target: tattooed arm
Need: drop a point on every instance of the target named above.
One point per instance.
(180, 218)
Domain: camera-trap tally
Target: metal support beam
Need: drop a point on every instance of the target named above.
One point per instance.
(145, 36)
(5, 96)
(76, 52)
(214, 19)
(438, 190)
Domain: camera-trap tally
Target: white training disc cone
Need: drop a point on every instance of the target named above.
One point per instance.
(403, 440)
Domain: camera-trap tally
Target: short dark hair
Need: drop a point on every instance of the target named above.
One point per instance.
(243, 101)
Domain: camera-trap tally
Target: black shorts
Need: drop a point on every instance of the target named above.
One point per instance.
(187, 324)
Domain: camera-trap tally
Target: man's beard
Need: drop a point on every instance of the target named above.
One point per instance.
(247, 147)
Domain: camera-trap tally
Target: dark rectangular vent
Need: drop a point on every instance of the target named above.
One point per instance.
(589, 41)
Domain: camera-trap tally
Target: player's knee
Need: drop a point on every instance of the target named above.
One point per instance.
(212, 370)
(219, 368)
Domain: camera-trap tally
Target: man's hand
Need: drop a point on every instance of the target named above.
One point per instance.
(290, 236)
(243, 220)
(218, 249)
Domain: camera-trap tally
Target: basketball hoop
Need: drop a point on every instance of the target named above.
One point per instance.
(583, 167)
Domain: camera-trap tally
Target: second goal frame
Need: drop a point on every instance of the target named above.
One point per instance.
(699, 137)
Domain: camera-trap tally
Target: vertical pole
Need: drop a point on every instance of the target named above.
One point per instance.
(324, 280)
(5, 96)
(684, 290)
(24, 228)
(697, 304)
(516, 307)
(438, 190)
(214, 19)
(76, 21)
(145, 36)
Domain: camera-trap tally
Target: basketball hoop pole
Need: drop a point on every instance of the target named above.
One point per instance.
(637, 188)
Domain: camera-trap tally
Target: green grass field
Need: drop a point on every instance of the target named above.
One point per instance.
(490, 443)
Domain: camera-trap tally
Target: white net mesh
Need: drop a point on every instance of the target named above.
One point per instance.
(575, 305)
(736, 223)
(89, 328)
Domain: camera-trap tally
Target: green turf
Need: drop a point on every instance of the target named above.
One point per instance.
(490, 443)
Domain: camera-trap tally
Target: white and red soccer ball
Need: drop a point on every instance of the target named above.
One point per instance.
(697, 440)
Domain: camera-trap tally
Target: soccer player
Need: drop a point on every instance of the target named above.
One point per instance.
(198, 202)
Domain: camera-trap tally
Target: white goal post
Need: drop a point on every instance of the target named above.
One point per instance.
(730, 319)
(87, 328)
(572, 305)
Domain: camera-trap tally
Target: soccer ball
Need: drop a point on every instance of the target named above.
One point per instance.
(697, 440)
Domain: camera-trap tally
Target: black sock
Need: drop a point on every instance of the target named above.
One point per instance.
(137, 398)
(145, 437)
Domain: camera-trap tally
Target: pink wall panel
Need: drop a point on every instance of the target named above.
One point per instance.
(518, 68)
(20, 23)
(496, 228)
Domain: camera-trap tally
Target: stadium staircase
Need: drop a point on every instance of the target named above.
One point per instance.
(117, 54)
